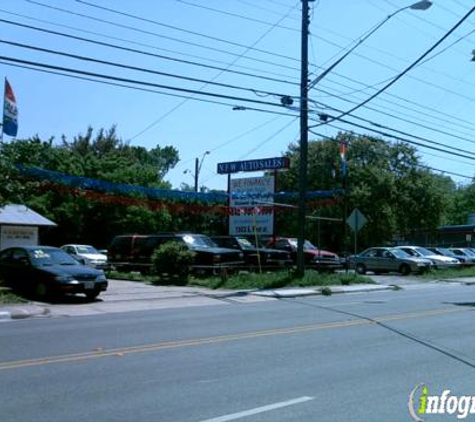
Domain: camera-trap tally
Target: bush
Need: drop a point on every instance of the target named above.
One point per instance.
(173, 261)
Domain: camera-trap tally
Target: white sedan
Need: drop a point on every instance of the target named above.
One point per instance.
(86, 254)
(440, 261)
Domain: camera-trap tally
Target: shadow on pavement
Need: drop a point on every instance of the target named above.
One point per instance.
(472, 304)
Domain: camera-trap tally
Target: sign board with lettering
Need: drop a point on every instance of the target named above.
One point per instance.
(247, 215)
(263, 164)
(18, 236)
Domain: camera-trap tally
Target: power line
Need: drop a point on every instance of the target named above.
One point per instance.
(135, 29)
(385, 156)
(204, 100)
(215, 77)
(399, 138)
(139, 69)
(138, 51)
(133, 50)
(394, 117)
(446, 117)
(186, 31)
(445, 36)
(236, 15)
(150, 84)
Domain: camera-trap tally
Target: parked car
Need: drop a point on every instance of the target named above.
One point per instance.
(48, 271)
(466, 255)
(384, 260)
(134, 252)
(439, 261)
(314, 258)
(448, 252)
(86, 254)
(253, 255)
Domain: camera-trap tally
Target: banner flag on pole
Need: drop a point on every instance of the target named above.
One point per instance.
(343, 147)
(10, 111)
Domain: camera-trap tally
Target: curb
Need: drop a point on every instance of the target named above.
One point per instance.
(22, 313)
(5, 316)
(289, 293)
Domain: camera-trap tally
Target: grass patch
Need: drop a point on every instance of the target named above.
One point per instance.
(447, 273)
(279, 279)
(8, 298)
(272, 280)
(131, 276)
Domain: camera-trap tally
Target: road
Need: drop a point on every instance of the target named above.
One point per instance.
(353, 357)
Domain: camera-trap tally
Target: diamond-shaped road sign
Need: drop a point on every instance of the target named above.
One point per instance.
(356, 220)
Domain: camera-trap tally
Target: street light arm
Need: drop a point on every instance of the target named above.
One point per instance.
(420, 5)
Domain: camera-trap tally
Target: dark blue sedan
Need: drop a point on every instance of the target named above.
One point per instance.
(48, 272)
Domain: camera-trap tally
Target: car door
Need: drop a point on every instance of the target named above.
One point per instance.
(390, 262)
(16, 267)
(370, 259)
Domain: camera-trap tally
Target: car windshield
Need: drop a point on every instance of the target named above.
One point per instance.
(245, 243)
(424, 251)
(446, 252)
(43, 257)
(201, 241)
(399, 253)
(87, 249)
(307, 245)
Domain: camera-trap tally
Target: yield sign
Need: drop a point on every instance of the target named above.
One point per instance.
(356, 220)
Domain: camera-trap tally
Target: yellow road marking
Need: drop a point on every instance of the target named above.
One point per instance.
(75, 357)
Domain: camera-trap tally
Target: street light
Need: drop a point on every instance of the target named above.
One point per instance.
(198, 165)
(304, 88)
(420, 5)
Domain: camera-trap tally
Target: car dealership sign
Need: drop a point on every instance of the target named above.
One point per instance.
(250, 215)
(276, 163)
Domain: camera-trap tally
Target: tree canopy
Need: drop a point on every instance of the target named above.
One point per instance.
(101, 156)
(385, 181)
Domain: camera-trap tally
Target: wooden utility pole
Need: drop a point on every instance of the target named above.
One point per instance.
(302, 204)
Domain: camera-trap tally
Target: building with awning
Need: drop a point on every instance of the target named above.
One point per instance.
(19, 226)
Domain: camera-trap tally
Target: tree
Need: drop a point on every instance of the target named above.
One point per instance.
(84, 217)
(385, 181)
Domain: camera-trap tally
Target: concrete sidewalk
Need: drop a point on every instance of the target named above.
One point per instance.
(128, 296)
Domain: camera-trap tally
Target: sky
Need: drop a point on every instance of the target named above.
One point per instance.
(209, 76)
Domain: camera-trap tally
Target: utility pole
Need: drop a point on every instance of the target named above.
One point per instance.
(197, 172)
(303, 139)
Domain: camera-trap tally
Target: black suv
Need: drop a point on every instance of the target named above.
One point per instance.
(253, 256)
(134, 252)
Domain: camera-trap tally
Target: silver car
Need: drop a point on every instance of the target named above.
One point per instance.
(384, 260)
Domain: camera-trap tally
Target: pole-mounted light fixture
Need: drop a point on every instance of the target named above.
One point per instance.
(421, 5)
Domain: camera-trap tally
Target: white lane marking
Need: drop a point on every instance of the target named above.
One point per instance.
(257, 410)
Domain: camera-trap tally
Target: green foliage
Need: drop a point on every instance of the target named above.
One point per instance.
(385, 182)
(101, 156)
(278, 279)
(173, 261)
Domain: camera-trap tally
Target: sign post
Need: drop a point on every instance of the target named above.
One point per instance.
(356, 221)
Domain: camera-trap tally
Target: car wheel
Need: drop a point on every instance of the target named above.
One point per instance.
(405, 269)
(92, 294)
(43, 291)
(360, 269)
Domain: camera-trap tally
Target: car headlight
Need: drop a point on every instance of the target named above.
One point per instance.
(216, 258)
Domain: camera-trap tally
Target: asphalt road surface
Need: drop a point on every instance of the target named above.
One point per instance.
(352, 357)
